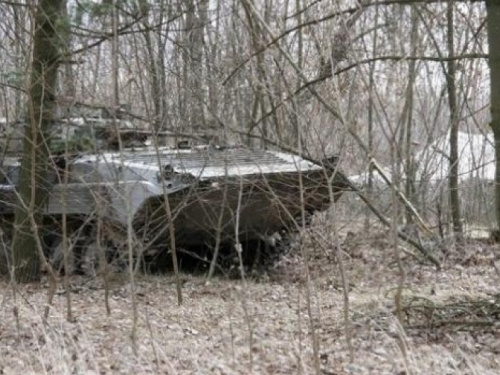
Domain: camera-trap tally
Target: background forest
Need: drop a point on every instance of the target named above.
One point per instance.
(405, 93)
(407, 79)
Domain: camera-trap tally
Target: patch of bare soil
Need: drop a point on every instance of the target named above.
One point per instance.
(264, 325)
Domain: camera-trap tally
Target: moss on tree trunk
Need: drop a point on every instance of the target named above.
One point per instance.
(32, 183)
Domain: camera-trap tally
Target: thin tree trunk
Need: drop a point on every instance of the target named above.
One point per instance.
(295, 118)
(263, 87)
(412, 72)
(196, 19)
(371, 109)
(454, 116)
(19, 17)
(154, 74)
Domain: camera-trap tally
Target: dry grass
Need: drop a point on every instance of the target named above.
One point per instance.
(212, 333)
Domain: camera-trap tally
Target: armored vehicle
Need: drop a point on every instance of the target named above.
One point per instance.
(198, 195)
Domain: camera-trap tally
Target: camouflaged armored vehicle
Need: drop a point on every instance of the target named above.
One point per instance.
(211, 194)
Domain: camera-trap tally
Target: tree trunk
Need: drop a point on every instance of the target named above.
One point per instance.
(32, 183)
(196, 20)
(154, 71)
(454, 117)
(371, 110)
(408, 120)
(493, 20)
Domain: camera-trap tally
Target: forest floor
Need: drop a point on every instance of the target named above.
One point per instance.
(265, 325)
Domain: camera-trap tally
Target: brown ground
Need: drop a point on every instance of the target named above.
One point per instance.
(260, 326)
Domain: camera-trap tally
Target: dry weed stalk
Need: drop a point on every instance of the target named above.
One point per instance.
(340, 258)
(239, 252)
(103, 266)
(218, 233)
(401, 280)
(314, 334)
(65, 242)
(170, 217)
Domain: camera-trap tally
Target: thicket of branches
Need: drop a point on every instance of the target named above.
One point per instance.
(368, 80)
